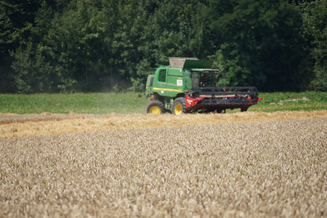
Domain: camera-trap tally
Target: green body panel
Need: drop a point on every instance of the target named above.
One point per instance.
(175, 72)
(167, 82)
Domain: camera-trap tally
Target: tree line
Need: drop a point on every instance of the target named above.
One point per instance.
(112, 45)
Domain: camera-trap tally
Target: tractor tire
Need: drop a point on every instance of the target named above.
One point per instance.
(179, 106)
(155, 107)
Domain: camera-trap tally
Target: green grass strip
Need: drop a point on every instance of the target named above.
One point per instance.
(128, 103)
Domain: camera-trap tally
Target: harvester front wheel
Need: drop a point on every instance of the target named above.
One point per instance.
(179, 106)
(155, 107)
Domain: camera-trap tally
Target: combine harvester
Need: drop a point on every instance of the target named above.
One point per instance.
(189, 85)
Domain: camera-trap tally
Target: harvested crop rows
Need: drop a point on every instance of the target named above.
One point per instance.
(13, 125)
(258, 169)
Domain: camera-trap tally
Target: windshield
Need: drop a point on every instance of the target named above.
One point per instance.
(200, 79)
(208, 79)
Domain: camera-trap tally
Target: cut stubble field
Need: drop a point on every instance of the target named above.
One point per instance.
(13, 125)
(249, 164)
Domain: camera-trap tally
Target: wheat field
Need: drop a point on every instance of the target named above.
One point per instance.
(260, 168)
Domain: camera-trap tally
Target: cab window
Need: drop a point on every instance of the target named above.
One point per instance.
(162, 75)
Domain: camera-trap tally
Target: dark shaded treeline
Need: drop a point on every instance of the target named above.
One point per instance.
(112, 45)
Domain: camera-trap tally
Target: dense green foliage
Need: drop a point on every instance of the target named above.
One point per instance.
(315, 31)
(130, 103)
(261, 43)
(105, 45)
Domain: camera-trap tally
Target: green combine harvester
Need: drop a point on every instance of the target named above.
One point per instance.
(189, 85)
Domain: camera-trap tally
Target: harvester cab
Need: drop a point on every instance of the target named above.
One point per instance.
(190, 85)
